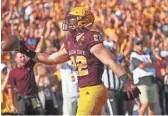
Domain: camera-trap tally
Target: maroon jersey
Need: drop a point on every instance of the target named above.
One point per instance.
(89, 69)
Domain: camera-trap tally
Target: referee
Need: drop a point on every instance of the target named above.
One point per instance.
(115, 101)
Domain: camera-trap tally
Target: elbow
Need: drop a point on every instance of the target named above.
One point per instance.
(110, 64)
(107, 64)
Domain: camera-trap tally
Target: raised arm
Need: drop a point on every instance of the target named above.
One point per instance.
(3, 86)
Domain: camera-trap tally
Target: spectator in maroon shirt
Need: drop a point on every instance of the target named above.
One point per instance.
(22, 78)
(160, 67)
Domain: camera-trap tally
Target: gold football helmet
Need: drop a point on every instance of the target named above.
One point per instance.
(78, 18)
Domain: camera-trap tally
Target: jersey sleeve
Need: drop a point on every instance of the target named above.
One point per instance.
(95, 38)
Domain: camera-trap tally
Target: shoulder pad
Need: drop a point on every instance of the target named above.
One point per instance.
(97, 36)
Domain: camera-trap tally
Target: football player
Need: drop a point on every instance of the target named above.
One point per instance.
(88, 54)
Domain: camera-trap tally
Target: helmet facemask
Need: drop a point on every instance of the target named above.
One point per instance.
(69, 23)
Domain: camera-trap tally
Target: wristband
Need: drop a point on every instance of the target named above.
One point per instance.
(124, 78)
(25, 49)
(30, 54)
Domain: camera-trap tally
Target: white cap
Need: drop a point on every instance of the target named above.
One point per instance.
(164, 53)
(3, 66)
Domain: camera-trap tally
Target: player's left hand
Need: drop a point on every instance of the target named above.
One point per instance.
(131, 90)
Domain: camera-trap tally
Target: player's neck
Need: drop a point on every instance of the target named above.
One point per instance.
(79, 36)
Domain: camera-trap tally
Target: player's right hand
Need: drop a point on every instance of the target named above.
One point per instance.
(13, 43)
(10, 43)
(21, 47)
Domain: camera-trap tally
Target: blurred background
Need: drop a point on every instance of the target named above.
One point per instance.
(39, 23)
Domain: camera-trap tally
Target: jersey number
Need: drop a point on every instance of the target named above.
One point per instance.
(80, 64)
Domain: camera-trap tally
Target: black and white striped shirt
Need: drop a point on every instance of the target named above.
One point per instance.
(111, 81)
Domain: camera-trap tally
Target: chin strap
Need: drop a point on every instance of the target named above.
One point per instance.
(89, 26)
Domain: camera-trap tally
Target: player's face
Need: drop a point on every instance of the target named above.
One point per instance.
(69, 23)
(20, 59)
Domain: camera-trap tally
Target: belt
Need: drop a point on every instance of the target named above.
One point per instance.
(28, 96)
(115, 90)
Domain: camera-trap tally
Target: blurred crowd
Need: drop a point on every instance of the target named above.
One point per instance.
(39, 23)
